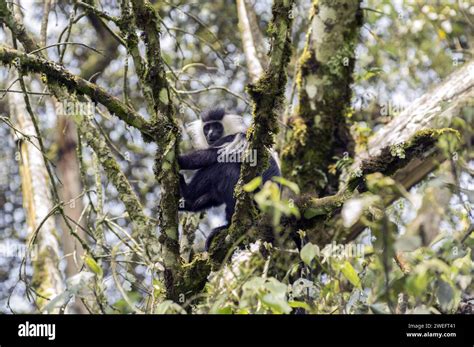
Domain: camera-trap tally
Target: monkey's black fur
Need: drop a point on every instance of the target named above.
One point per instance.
(214, 182)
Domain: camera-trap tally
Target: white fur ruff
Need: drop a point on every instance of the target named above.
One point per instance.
(232, 124)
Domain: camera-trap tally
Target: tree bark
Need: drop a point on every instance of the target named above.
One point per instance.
(47, 279)
(248, 42)
(68, 165)
(318, 129)
(404, 149)
(267, 97)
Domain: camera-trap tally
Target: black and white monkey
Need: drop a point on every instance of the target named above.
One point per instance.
(218, 139)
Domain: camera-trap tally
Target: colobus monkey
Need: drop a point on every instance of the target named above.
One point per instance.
(219, 141)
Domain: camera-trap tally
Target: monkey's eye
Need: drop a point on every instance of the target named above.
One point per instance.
(206, 128)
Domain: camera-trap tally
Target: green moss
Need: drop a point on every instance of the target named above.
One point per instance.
(75, 85)
(390, 160)
(340, 62)
(191, 278)
(42, 281)
(319, 131)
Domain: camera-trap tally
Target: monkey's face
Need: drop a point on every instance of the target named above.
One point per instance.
(213, 131)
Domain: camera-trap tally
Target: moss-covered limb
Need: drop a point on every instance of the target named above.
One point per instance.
(142, 227)
(129, 33)
(404, 148)
(18, 29)
(154, 75)
(167, 137)
(322, 226)
(318, 128)
(267, 97)
(393, 158)
(191, 278)
(58, 74)
(435, 109)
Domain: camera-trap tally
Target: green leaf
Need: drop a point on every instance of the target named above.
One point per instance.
(300, 304)
(92, 264)
(351, 274)
(253, 184)
(276, 287)
(416, 284)
(313, 212)
(445, 295)
(225, 310)
(283, 181)
(309, 252)
(276, 303)
(254, 284)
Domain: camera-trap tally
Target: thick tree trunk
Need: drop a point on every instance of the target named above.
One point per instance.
(318, 128)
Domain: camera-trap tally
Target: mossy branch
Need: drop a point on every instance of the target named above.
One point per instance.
(18, 29)
(167, 137)
(267, 97)
(140, 222)
(56, 73)
(154, 74)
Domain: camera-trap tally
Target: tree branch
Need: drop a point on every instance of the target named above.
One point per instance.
(57, 73)
(404, 149)
(141, 224)
(267, 96)
(167, 137)
(253, 63)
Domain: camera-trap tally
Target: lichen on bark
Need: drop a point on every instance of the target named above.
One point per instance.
(57, 74)
(318, 127)
(166, 135)
(141, 225)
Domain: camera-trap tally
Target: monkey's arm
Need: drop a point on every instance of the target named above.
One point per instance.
(198, 159)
